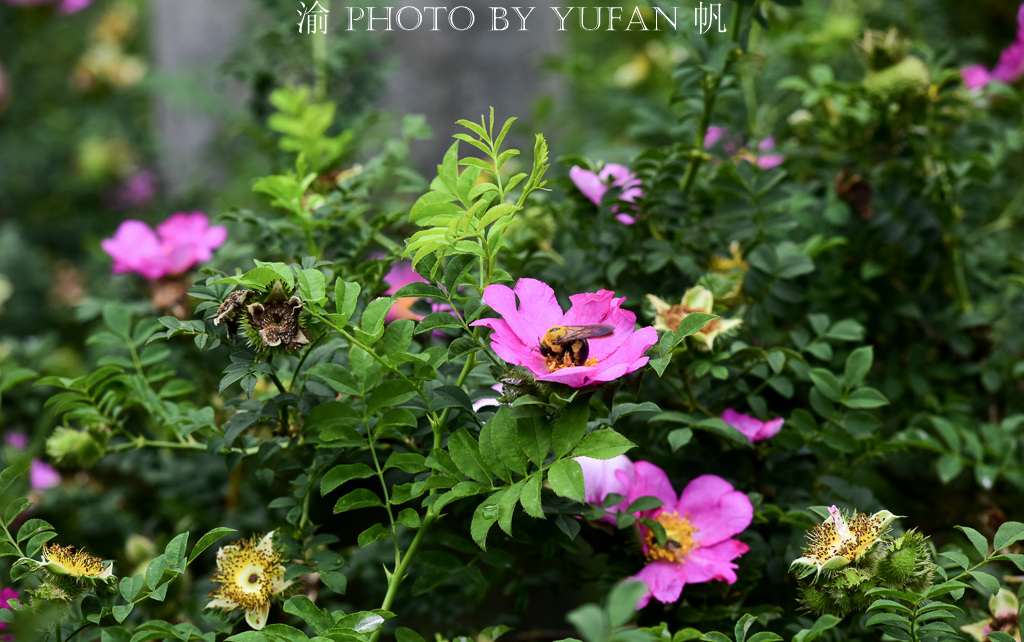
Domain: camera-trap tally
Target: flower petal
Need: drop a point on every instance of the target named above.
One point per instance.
(706, 563)
(715, 508)
(749, 426)
(588, 183)
(537, 309)
(770, 429)
(267, 543)
(602, 477)
(221, 603)
(652, 480)
(257, 616)
(664, 581)
(975, 76)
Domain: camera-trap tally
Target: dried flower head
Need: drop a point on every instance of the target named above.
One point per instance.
(272, 323)
(250, 575)
(834, 543)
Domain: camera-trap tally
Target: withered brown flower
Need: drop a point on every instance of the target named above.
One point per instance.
(272, 323)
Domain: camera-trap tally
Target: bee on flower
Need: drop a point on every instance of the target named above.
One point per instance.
(251, 575)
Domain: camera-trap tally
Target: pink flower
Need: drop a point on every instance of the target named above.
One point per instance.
(603, 477)
(16, 440)
(733, 146)
(42, 475)
(1010, 67)
(6, 594)
(594, 186)
(700, 523)
(531, 309)
(137, 190)
(66, 6)
(400, 276)
(179, 243)
(750, 426)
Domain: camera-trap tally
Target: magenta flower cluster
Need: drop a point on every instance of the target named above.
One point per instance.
(531, 309)
(178, 243)
(1010, 67)
(594, 186)
(701, 521)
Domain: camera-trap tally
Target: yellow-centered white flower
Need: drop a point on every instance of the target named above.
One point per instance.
(835, 543)
(250, 575)
(64, 561)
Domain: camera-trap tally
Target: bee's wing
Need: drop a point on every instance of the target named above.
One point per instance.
(577, 332)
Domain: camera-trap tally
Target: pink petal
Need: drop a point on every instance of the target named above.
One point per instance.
(73, 6)
(746, 424)
(975, 76)
(664, 580)
(770, 161)
(16, 440)
(652, 480)
(770, 429)
(42, 475)
(400, 276)
(713, 135)
(602, 477)
(706, 563)
(766, 145)
(136, 248)
(525, 322)
(588, 183)
(619, 174)
(715, 508)
(1010, 67)
(601, 307)
(625, 219)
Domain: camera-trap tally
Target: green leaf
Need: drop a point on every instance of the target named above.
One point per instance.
(679, 438)
(530, 498)
(507, 505)
(121, 611)
(826, 383)
(33, 527)
(312, 285)
(484, 517)
(411, 463)
(436, 320)
(398, 336)
(175, 552)
(409, 517)
(979, 541)
(602, 444)
(534, 438)
(505, 439)
(621, 602)
(206, 541)
(346, 296)
(359, 498)
(742, 626)
(719, 427)
(990, 583)
(865, 398)
(591, 621)
(15, 508)
(301, 606)
(155, 571)
(465, 452)
(824, 623)
(566, 479)
(11, 473)
(335, 581)
(343, 473)
(118, 318)
(1007, 534)
(390, 393)
(372, 534)
(857, 366)
(570, 426)
(691, 324)
(372, 321)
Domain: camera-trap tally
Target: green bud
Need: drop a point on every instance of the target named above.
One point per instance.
(75, 448)
(816, 600)
(139, 549)
(898, 566)
(908, 76)
(48, 592)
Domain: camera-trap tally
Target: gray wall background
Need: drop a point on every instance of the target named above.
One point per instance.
(445, 75)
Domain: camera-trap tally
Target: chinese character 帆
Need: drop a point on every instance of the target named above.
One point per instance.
(704, 16)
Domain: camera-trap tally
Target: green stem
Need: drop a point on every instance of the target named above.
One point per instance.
(302, 360)
(57, 631)
(319, 46)
(693, 398)
(175, 445)
(438, 428)
(396, 578)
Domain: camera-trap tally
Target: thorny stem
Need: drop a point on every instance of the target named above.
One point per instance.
(710, 85)
(403, 566)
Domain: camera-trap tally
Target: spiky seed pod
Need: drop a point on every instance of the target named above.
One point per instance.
(76, 447)
(816, 600)
(908, 76)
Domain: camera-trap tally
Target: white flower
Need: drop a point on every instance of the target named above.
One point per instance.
(250, 575)
(61, 561)
(835, 543)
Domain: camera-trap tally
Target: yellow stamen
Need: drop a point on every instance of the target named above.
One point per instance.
(247, 574)
(825, 541)
(679, 542)
(80, 563)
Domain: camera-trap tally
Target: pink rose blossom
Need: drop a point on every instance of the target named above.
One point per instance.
(754, 429)
(178, 243)
(42, 475)
(594, 186)
(701, 521)
(1010, 67)
(528, 311)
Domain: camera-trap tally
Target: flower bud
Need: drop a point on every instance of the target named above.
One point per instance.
(139, 548)
(75, 448)
(908, 76)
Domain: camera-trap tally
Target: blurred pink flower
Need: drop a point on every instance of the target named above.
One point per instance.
(179, 243)
(6, 594)
(42, 475)
(603, 477)
(733, 146)
(400, 276)
(137, 190)
(700, 524)
(594, 186)
(754, 429)
(17, 440)
(1010, 67)
(528, 311)
(66, 6)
